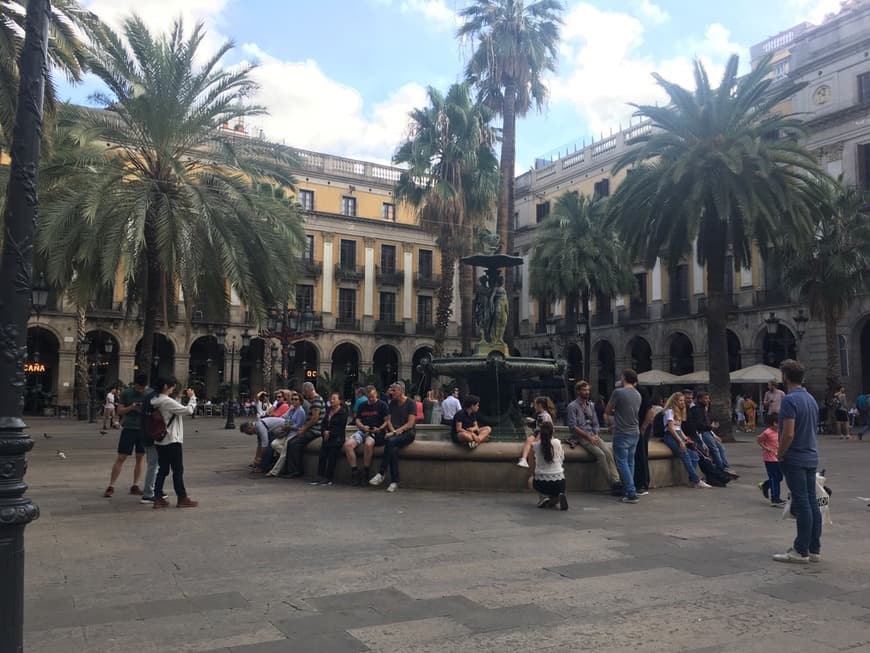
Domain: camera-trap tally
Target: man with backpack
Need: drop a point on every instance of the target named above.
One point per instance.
(131, 438)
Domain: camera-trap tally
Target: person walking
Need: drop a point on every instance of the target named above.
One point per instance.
(798, 456)
(169, 449)
(622, 411)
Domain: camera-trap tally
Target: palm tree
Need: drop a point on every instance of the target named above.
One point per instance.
(451, 180)
(576, 254)
(515, 43)
(720, 165)
(833, 268)
(171, 199)
(67, 52)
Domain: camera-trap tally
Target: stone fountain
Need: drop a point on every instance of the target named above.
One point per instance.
(492, 373)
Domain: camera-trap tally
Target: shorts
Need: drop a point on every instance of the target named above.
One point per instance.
(378, 437)
(130, 440)
(841, 415)
(359, 437)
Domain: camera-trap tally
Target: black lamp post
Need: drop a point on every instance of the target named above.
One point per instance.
(800, 323)
(583, 333)
(16, 268)
(246, 340)
(288, 325)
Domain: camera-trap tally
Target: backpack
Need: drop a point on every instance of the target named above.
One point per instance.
(154, 426)
(862, 403)
(659, 425)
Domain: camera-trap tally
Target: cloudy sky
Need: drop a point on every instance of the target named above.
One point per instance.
(339, 76)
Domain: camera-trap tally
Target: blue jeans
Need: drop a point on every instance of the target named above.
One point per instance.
(624, 447)
(390, 457)
(688, 457)
(801, 482)
(774, 477)
(150, 472)
(717, 451)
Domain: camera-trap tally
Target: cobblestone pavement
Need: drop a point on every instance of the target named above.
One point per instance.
(274, 565)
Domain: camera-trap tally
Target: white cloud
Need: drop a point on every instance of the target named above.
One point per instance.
(602, 68)
(653, 12)
(814, 11)
(309, 110)
(434, 12)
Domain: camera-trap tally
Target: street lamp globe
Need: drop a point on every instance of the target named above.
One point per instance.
(772, 323)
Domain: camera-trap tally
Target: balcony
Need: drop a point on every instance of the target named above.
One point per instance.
(704, 302)
(389, 326)
(107, 311)
(425, 329)
(344, 272)
(678, 308)
(602, 319)
(771, 297)
(428, 280)
(347, 324)
(199, 314)
(311, 268)
(389, 276)
(634, 313)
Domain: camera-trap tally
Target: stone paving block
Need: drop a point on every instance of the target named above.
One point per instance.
(606, 567)
(331, 643)
(402, 636)
(424, 540)
(189, 605)
(333, 621)
(517, 616)
(861, 598)
(800, 590)
(385, 599)
(49, 619)
(712, 567)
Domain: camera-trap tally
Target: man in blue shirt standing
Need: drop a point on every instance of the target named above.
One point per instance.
(799, 457)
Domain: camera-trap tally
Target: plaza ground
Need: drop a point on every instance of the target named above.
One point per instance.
(272, 565)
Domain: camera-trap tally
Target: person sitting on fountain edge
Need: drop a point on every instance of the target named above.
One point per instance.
(465, 427)
(371, 423)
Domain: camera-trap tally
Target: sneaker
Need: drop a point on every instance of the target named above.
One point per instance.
(616, 489)
(325, 483)
(522, 462)
(109, 492)
(160, 503)
(186, 502)
(779, 503)
(563, 502)
(631, 498)
(642, 493)
(543, 501)
(701, 484)
(135, 489)
(316, 481)
(734, 475)
(392, 487)
(815, 557)
(791, 556)
(377, 479)
(764, 486)
(473, 445)
(146, 500)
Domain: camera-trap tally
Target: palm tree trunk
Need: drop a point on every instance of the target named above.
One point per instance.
(507, 164)
(444, 295)
(717, 345)
(82, 387)
(150, 299)
(466, 292)
(832, 354)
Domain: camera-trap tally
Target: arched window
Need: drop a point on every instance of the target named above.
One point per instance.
(844, 355)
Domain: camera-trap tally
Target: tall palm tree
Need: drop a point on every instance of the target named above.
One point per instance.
(577, 254)
(71, 30)
(833, 268)
(451, 180)
(171, 199)
(723, 166)
(515, 44)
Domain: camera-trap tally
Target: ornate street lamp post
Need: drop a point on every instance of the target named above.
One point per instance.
(273, 352)
(289, 326)
(16, 269)
(800, 323)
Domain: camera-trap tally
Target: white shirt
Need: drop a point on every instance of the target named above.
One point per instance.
(110, 400)
(169, 407)
(773, 400)
(553, 471)
(449, 407)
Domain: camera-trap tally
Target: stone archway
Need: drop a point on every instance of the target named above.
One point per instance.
(41, 370)
(386, 366)
(735, 357)
(206, 368)
(302, 366)
(681, 354)
(345, 369)
(163, 357)
(574, 360)
(103, 360)
(640, 354)
(779, 346)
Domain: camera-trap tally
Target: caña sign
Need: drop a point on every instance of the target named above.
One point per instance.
(34, 368)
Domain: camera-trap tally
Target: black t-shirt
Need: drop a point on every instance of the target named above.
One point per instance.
(372, 415)
(463, 420)
(132, 421)
(399, 413)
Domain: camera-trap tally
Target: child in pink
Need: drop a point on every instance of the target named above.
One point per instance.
(769, 443)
